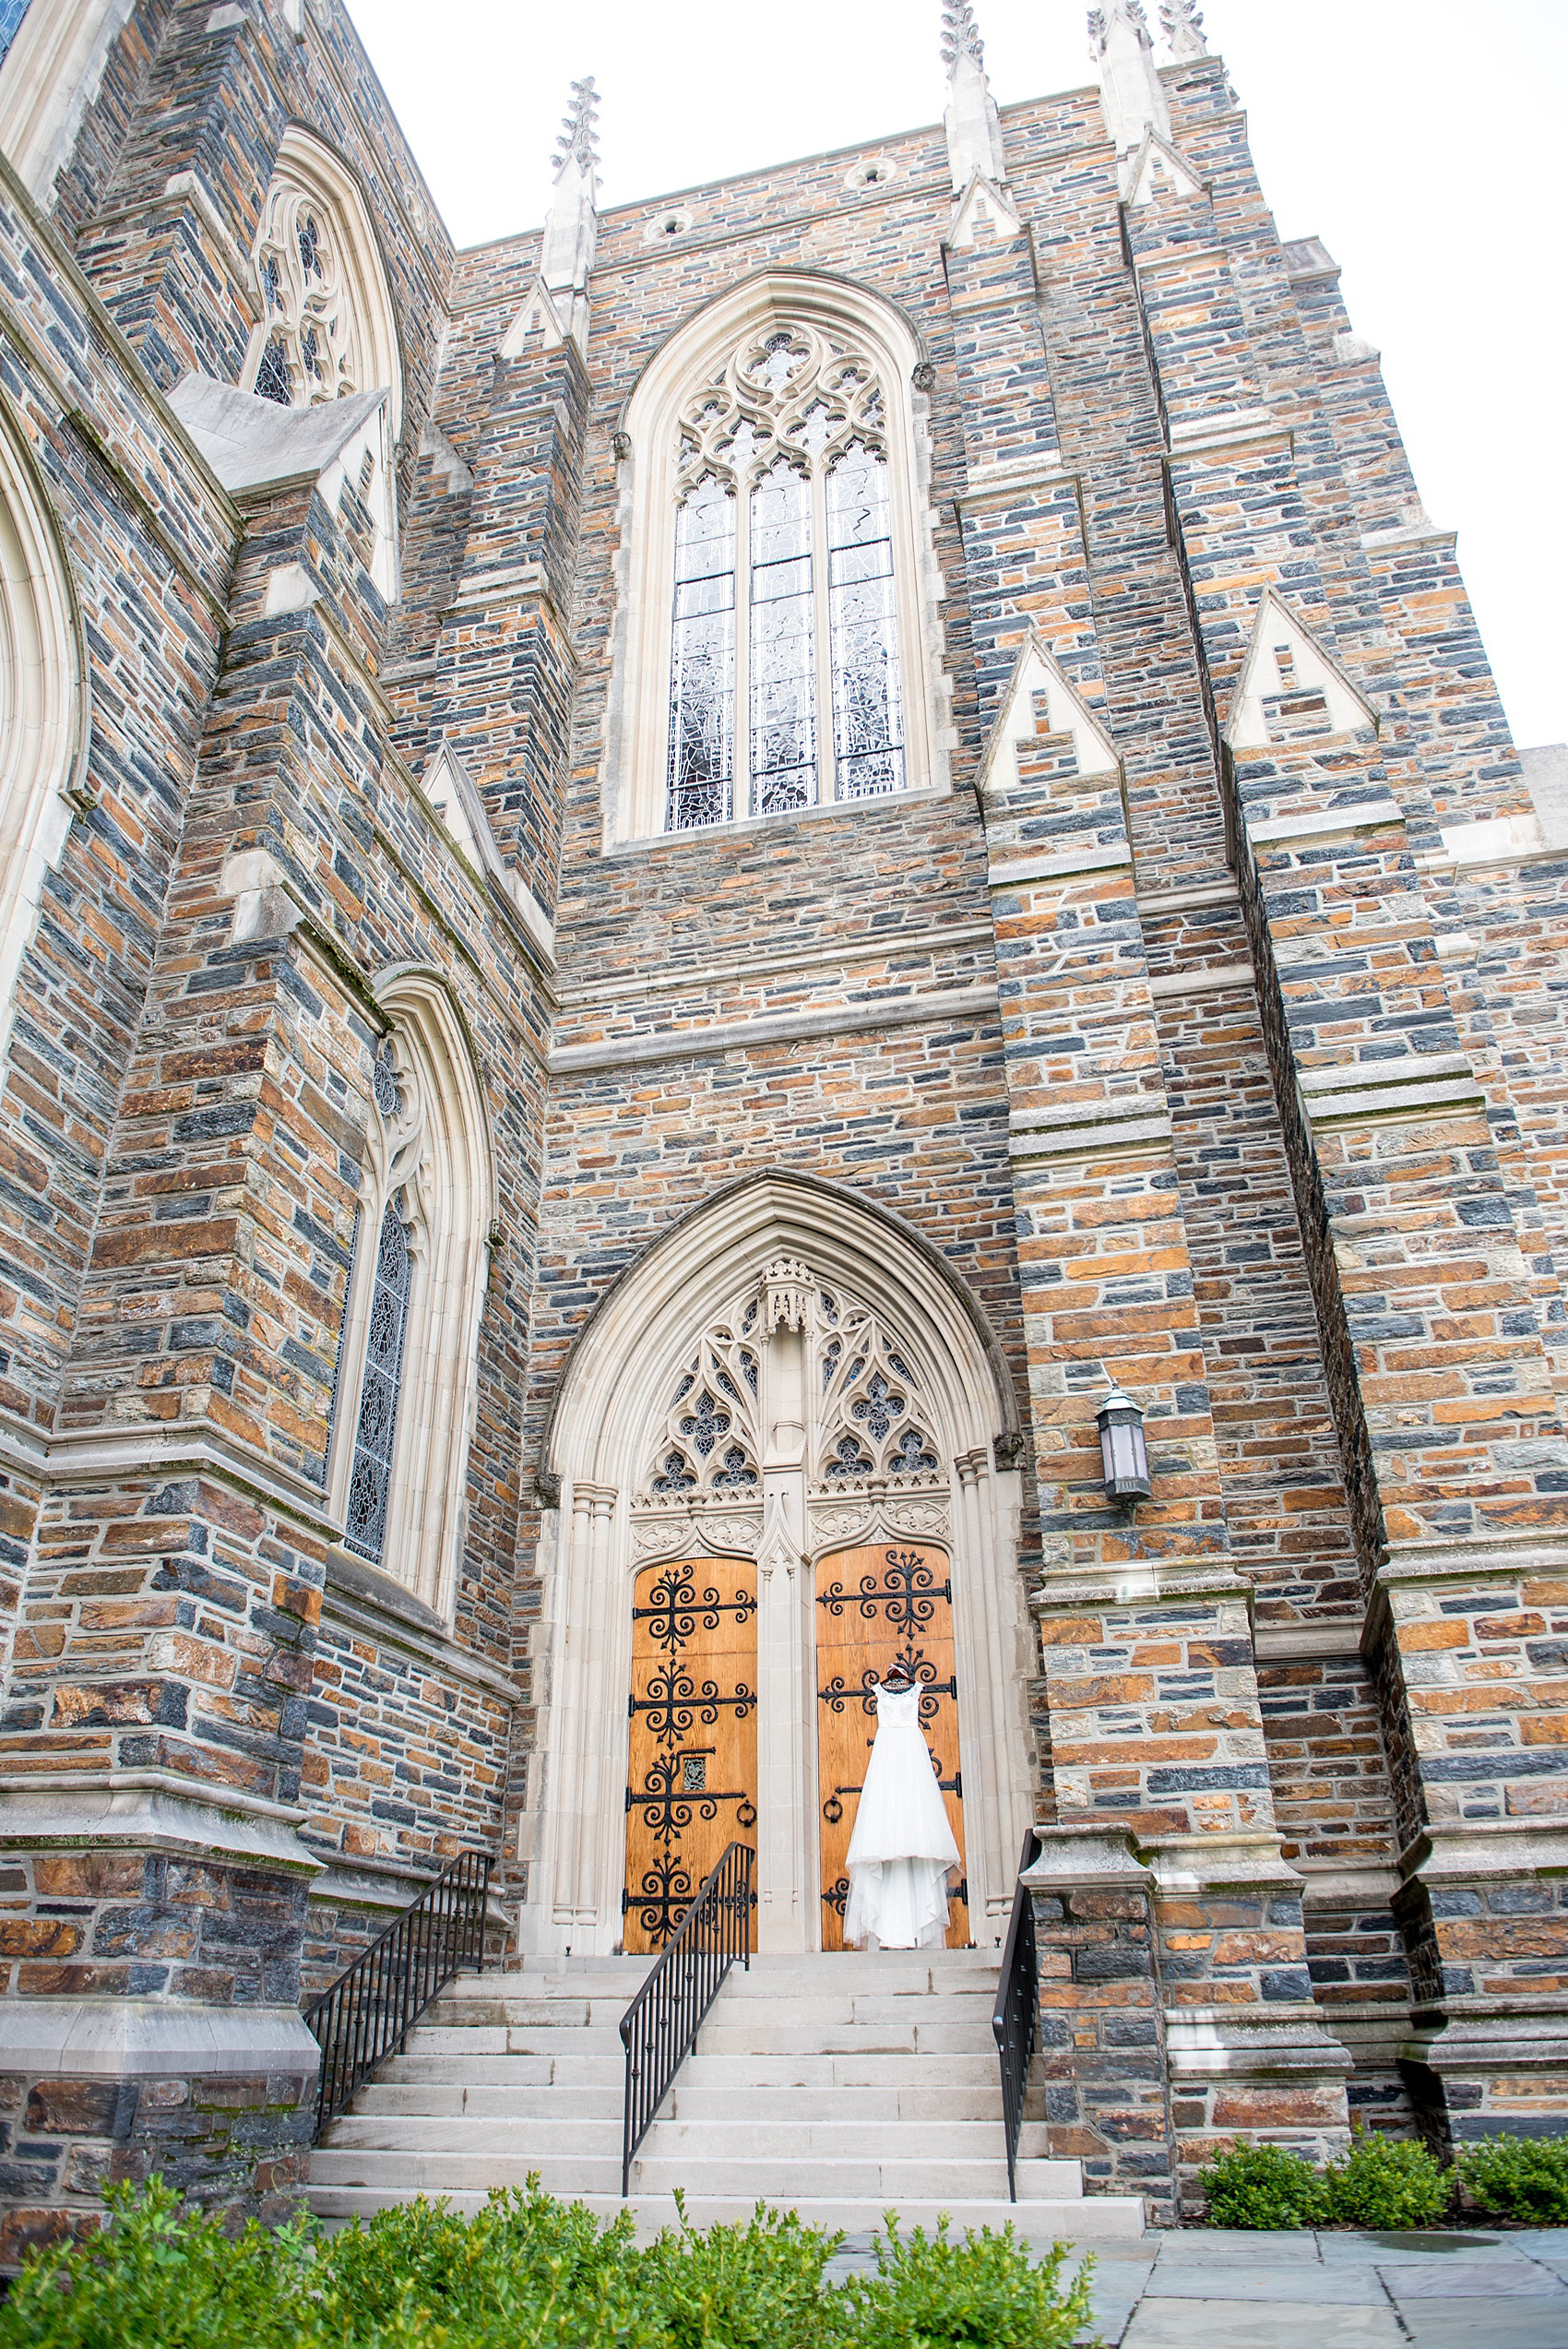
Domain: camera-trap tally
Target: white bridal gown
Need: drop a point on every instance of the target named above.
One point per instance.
(902, 1846)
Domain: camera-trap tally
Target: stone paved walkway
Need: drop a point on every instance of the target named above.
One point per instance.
(1205, 2288)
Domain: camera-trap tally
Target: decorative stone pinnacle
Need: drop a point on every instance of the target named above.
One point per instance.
(960, 34)
(1103, 21)
(578, 141)
(1182, 26)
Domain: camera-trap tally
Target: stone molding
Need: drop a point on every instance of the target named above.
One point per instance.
(1084, 1129)
(850, 1017)
(137, 2038)
(1327, 826)
(151, 1811)
(1304, 1642)
(1132, 1582)
(1461, 1852)
(1366, 1091)
(953, 938)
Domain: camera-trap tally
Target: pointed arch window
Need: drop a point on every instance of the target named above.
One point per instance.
(786, 689)
(408, 1357)
(327, 327)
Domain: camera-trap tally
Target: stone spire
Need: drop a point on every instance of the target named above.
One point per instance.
(1130, 91)
(1182, 26)
(974, 132)
(572, 228)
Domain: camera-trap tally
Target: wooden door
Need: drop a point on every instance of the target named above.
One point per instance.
(692, 1786)
(874, 1608)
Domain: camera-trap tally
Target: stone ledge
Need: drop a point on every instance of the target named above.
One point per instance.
(365, 1601)
(1325, 826)
(1464, 1850)
(1306, 1642)
(1090, 856)
(148, 1810)
(135, 2038)
(861, 1017)
(1081, 1130)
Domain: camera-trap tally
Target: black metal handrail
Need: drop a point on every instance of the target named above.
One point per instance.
(1014, 2019)
(659, 2027)
(370, 2009)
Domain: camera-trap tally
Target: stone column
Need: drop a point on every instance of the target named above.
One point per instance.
(1101, 2027)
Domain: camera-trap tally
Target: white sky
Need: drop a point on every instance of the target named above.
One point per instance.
(1423, 140)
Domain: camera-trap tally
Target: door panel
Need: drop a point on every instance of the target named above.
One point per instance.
(875, 1607)
(692, 1778)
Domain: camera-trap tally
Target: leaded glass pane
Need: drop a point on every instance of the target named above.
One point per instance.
(702, 669)
(783, 661)
(11, 15)
(868, 729)
(272, 377)
(370, 1476)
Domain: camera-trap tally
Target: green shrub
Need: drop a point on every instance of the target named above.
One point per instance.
(526, 2273)
(753, 2286)
(1385, 2182)
(929, 2293)
(525, 2269)
(164, 2277)
(1262, 2186)
(1518, 2177)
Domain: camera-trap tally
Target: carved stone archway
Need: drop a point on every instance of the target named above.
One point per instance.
(787, 1373)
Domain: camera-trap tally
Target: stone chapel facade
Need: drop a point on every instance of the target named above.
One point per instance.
(667, 887)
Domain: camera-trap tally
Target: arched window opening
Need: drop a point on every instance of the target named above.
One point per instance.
(776, 632)
(327, 327)
(408, 1357)
(43, 703)
(785, 603)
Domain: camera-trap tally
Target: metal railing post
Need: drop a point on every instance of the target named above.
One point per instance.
(1014, 2018)
(368, 2012)
(663, 2019)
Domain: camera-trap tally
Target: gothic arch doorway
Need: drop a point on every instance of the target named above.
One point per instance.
(788, 1382)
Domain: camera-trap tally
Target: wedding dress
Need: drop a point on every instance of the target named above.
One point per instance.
(902, 1846)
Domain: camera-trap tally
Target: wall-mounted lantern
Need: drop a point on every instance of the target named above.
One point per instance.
(1121, 1448)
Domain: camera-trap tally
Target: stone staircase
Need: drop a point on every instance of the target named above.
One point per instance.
(843, 2085)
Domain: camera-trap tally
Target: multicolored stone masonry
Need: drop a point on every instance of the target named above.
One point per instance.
(1192, 1020)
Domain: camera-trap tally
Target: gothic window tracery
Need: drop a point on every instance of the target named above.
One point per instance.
(327, 327)
(786, 689)
(874, 1420)
(711, 1440)
(867, 1415)
(312, 351)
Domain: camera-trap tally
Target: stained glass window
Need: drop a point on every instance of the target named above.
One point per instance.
(785, 688)
(272, 380)
(702, 719)
(867, 738)
(370, 1477)
(783, 661)
(11, 15)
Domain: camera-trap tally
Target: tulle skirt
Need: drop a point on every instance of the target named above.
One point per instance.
(902, 1847)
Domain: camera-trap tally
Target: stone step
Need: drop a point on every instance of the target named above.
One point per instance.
(532, 2101)
(872, 2069)
(696, 2144)
(487, 2098)
(483, 2071)
(898, 2100)
(597, 2170)
(763, 2036)
(526, 2039)
(859, 2069)
(1095, 2218)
